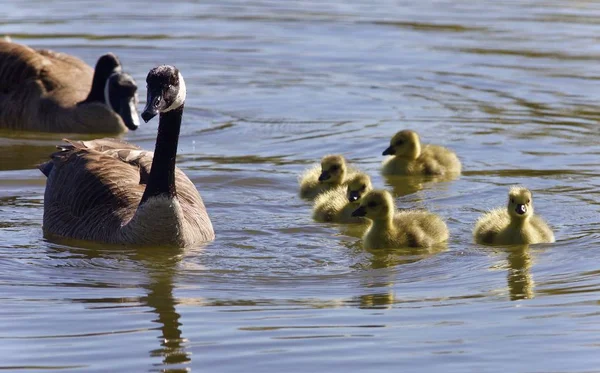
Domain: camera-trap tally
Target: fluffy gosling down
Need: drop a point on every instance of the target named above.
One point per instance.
(514, 225)
(333, 172)
(410, 157)
(394, 229)
(337, 205)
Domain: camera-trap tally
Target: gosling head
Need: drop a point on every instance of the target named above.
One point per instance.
(333, 169)
(376, 205)
(404, 144)
(358, 187)
(520, 203)
(166, 91)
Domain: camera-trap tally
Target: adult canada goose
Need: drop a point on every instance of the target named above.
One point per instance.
(410, 157)
(110, 191)
(331, 173)
(46, 91)
(394, 229)
(514, 225)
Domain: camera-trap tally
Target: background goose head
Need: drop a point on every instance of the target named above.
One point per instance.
(333, 169)
(377, 205)
(520, 202)
(111, 86)
(166, 91)
(358, 187)
(405, 144)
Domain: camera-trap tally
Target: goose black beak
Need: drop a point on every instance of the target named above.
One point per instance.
(325, 175)
(389, 151)
(353, 196)
(521, 209)
(128, 112)
(361, 211)
(154, 104)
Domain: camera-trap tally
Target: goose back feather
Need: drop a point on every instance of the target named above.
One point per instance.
(43, 90)
(94, 189)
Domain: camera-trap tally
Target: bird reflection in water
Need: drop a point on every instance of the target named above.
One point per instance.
(520, 280)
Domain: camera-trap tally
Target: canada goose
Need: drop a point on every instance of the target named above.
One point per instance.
(409, 157)
(110, 191)
(514, 225)
(393, 229)
(332, 172)
(336, 205)
(46, 91)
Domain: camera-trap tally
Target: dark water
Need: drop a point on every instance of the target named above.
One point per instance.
(511, 86)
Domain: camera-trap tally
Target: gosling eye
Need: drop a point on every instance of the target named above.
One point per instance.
(512, 200)
(528, 201)
(399, 143)
(334, 168)
(372, 204)
(363, 188)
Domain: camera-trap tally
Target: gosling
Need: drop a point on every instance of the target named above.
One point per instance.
(409, 157)
(337, 205)
(515, 225)
(393, 229)
(332, 173)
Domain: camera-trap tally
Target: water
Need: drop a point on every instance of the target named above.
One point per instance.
(511, 86)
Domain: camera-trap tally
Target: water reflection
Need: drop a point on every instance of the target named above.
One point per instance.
(405, 185)
(519, 278)
(161, 266)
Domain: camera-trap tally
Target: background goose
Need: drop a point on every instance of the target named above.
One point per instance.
(42, 90)
(110, 191)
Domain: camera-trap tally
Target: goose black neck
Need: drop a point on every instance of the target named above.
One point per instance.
(162, 174)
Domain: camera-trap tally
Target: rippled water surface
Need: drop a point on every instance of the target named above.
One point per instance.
(512, 86)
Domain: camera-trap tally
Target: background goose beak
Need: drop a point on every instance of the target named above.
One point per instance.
(361, 211)
(521, 209)
(353, 196)
(324, 176)
(128, 112)
(389, 151)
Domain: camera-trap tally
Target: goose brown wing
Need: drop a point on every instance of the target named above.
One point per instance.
(91, 193)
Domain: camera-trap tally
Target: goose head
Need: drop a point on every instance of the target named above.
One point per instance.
(166, 91)
(404, 144)
(520, 203)
(114, 88)
(358, 187)
(333, 169)
(376, 205)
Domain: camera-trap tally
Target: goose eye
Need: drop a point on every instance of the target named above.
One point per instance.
(363, 187)
(512, 200)
(399, 143)
(334, 168)
(528, 201)
(371, 204)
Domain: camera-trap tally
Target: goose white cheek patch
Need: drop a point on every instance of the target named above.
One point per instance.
(180, 99)
(107, 94)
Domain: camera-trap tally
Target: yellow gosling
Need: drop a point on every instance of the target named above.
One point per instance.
(514, 225)
(409, 157)
(333, 172)
(337, 205)
(394, 229)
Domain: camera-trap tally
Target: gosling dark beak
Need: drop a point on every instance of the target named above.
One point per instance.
(154, 104)
(521, 209)
(389, 151)
(361, 211)
(353, 196)
(325, 175)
